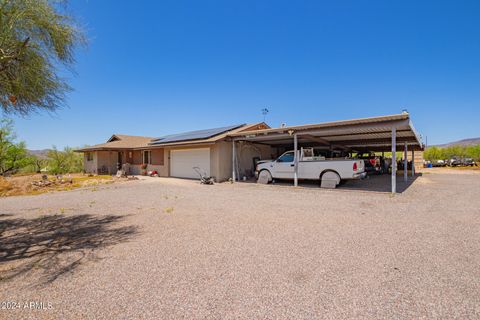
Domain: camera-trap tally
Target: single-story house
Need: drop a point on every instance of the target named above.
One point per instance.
(176, 155)
(232, 152)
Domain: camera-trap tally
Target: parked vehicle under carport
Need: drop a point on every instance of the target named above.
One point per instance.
(373, 164)
(329, 171)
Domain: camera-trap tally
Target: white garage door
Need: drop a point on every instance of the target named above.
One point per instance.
(182, 162)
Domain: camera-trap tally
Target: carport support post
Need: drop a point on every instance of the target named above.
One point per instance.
(233, 160)
(394, 160)
(405, 164)
(413, 162)
(295, 160)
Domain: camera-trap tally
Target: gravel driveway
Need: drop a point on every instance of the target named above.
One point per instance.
(173, 249)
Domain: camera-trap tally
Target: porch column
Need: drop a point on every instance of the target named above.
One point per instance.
(295, 161)
(405, 164)
(394, 160)
(413, 162)
(233, 160)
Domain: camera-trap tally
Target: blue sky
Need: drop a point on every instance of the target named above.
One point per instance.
(161, 67)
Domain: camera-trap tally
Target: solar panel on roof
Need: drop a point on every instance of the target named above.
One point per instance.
(194, 135)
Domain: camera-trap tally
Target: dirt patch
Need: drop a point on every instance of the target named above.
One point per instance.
(245, 251)
(453, 170)
(38, 184)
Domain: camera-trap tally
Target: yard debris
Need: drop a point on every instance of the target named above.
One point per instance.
(41, 183)
(48, 183)
(204, 178)
(153, 173)
(121, 174)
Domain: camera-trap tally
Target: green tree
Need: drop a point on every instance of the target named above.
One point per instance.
(37, 42)
(35, 164)
(433, 153)
(13, 156)
(74, 160)
(57, 161)
(474, 152)
(66, 161)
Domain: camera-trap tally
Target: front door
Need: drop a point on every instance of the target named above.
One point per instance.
(120, 160)
(284, 166)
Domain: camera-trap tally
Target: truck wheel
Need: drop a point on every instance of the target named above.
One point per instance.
(329, 179)
(264, 177)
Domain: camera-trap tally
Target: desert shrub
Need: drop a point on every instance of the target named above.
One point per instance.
(66, 161)
(13, 155)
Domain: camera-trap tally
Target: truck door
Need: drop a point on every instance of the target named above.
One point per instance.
(284, 166)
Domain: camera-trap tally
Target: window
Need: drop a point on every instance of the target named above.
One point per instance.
(286, 157)
(89, 156)
(147, 157)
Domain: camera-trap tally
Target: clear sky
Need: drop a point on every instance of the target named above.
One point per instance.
(161, 67)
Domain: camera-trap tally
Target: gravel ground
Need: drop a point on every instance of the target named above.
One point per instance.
(173, 249)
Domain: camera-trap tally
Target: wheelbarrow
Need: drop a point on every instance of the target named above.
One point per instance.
(204, 179)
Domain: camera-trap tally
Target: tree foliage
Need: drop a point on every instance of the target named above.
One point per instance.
(13, 156)
(34, 164)
(37, 40)
(436, 153)
(66, 161)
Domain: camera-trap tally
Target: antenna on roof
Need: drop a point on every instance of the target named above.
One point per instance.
(265, 111)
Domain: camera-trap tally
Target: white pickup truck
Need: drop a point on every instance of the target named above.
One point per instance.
(310, 167)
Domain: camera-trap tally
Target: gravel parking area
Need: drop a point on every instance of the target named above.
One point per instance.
(171, 249)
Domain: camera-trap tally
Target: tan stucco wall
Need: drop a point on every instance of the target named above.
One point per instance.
(137, 157)
(101, 158)
(220, 159)
(246, 152)
(158, 157)
(90, 166)
(108, 159)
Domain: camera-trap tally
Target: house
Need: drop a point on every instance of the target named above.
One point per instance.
(232, 152)
(175, 155)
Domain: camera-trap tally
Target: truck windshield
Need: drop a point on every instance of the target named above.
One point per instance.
(286, 157)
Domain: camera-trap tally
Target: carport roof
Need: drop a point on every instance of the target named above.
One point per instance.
(365, 134)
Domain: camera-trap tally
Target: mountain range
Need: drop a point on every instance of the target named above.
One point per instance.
(42, 154)
(464, 142)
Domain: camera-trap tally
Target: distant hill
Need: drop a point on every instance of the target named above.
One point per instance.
(42, 154)
(464, 142)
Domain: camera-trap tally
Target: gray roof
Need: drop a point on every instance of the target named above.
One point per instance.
(194, 135)
(369, 134)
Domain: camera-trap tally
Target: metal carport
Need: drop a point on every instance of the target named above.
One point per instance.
(384, 133)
